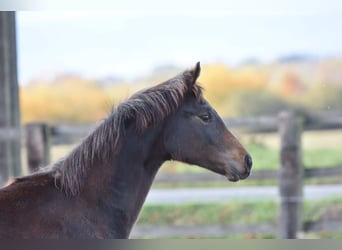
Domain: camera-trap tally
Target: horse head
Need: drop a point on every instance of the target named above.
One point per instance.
(196, 134)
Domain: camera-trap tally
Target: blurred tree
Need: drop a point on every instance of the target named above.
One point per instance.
(68, 101)
(290, 86)
(246, 90)
(221, 84)
(218, 83)
(324, 97)
(254, 102)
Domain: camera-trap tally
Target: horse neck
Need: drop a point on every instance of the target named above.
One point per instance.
(127, 180)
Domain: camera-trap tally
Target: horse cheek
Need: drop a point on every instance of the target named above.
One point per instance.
(174, 142)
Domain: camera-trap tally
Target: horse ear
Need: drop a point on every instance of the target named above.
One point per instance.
(196, 71)
(194, 74)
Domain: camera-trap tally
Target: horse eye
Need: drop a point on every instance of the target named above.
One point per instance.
(205, 117)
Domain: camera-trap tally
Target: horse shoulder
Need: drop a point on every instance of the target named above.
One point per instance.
(27, 203)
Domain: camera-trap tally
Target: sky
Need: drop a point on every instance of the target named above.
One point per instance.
(129, 39)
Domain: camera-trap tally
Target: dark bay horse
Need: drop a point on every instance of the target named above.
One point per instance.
(97, 190)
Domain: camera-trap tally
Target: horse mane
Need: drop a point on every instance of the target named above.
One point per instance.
(144, 109)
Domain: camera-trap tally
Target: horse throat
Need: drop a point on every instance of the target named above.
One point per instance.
(130, 177)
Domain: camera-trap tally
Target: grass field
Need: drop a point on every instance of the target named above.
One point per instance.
(237, 212)
(234, 212)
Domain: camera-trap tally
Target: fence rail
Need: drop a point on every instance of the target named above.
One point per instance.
(10, 133)
(319, 121)
(309, 172)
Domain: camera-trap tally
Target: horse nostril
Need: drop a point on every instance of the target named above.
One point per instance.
(248, 162)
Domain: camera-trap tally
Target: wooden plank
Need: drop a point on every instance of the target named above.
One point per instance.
(325, 225)
(210, 177)
(63, 133)
(69, 134)
(15, 143)
(189, 178)
(315, 172)
(312, 172)
(260, 123)
(10, 133)
(270, 123)
(37, 145)
(290, 175)
(10, 162)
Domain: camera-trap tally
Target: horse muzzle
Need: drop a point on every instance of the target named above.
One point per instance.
(233, 174)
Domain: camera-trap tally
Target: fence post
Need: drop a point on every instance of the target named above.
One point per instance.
(10, 157)
(37, 145)
(290, 175)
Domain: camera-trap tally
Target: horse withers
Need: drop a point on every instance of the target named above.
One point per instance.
(98, 189)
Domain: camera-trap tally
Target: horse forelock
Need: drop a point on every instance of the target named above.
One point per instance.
(145, 108)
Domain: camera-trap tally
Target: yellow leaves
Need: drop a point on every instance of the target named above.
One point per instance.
(72, 99)
(250, 78)
(220, 83)
(121, 91)
(324, 97)
(244, 90)
(218, 77)
(66, 101)
(215, 76)
(290, 86)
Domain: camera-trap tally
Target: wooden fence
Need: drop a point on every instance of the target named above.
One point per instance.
(290, 175)
(9, 100)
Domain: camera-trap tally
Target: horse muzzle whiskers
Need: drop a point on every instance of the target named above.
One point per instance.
(233, 173)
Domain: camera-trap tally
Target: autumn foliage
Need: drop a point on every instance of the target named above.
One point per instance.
(69, 101)
(239, 91)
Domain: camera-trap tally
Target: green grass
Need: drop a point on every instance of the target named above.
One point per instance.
(322, 157)
(236, 212)
(204, 214)
(268, 158)
(263, 157)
